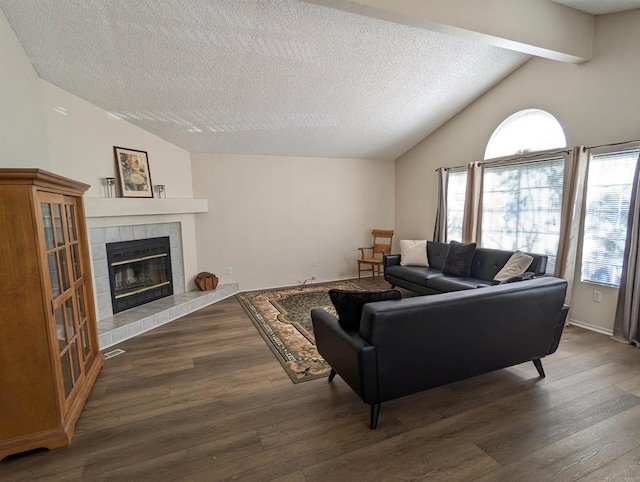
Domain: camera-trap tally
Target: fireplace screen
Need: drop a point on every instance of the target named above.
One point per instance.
(139, 272)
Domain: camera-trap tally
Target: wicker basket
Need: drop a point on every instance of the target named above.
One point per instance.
(206, 281)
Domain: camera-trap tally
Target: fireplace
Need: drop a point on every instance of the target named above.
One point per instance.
(139, 272)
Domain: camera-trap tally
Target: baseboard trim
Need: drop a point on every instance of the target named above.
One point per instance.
(589, 326)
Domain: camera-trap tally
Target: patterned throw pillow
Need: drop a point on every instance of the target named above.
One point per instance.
(458, 260)
(349, 304)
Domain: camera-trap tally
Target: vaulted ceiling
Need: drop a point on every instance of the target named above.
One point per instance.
(326, 78)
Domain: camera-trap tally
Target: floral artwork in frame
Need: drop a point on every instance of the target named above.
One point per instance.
(133, 172)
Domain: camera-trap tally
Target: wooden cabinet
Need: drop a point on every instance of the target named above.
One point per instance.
(49, 356)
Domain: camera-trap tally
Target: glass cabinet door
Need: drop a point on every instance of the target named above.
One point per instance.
(67, 290)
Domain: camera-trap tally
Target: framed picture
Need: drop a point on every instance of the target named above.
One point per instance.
(133, 172)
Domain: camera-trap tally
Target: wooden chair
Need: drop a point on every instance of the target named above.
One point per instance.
(382, 239)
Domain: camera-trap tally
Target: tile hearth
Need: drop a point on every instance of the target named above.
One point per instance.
(127, 324)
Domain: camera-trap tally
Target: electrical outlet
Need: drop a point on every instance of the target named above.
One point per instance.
(229, 270)
(597, 296)
(314, 262)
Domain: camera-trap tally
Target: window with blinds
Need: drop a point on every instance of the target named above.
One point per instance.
(456, 192)
(522, 207)
(606, 211)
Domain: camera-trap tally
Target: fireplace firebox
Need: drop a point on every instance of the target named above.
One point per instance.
(139, 272)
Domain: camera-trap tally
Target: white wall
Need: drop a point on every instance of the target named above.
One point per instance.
(269, 217)
(81, 138)
(596, 102)
(23, 142)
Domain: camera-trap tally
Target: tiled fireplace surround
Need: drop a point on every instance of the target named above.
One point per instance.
(113, 329)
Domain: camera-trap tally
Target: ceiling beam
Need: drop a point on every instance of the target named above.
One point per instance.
(535, 27)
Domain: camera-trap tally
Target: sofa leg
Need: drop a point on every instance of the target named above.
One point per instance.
(375, 412)
(332, 375)
(538, 365)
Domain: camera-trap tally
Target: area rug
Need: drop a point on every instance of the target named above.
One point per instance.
(283, 318)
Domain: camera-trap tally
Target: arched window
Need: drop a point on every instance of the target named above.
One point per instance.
(522, 196)
(529, 130)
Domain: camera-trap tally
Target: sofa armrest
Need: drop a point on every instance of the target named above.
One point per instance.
(348, 354)
(390, 260)
(562, 319)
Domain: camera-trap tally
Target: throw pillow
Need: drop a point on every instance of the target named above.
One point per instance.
(516, 265)
(458, 260)
(413, 252)
(520, 277)
(349, 303)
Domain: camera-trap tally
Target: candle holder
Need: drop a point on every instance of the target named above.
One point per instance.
(109, 186)
(161, 191)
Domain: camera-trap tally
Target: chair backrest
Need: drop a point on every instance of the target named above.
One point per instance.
(382, 239)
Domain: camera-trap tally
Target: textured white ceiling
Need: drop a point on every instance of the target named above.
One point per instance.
(600, 7)
(270, 77)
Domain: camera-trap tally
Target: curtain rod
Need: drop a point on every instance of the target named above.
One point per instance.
(524, 157)
(451, 168)
(610, 145)
(512, 158)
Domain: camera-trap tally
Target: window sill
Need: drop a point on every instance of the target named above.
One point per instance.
(597, 283)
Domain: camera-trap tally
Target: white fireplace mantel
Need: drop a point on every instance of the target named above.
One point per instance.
(122, 219)
(109, 220)
(96, 207)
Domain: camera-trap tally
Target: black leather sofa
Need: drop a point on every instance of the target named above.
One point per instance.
(407, 346)
(427, 281)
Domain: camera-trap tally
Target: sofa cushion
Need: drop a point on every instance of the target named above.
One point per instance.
(413, 252)
(413, 274)
(455, 283)
(458, 260)
(487, 262)
(349, 303)
(515, 266)
(436, 254)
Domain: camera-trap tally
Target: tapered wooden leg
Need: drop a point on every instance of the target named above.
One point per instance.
(538, 365)
(375, 412)
(332, 375)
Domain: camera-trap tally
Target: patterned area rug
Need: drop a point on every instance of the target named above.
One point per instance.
(283, 318)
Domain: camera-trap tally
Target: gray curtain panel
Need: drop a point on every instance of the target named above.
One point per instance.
(575, 174)
(440, 231)
(627, 320)
(473, 201)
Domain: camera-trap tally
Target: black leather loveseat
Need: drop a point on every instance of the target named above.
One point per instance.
(485, 265)
(417, 343)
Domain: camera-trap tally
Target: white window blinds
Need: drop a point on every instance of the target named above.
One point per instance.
(522, 206)
(456, 192)
(605, 226)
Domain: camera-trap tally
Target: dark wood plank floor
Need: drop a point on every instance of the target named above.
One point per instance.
(203, 398)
